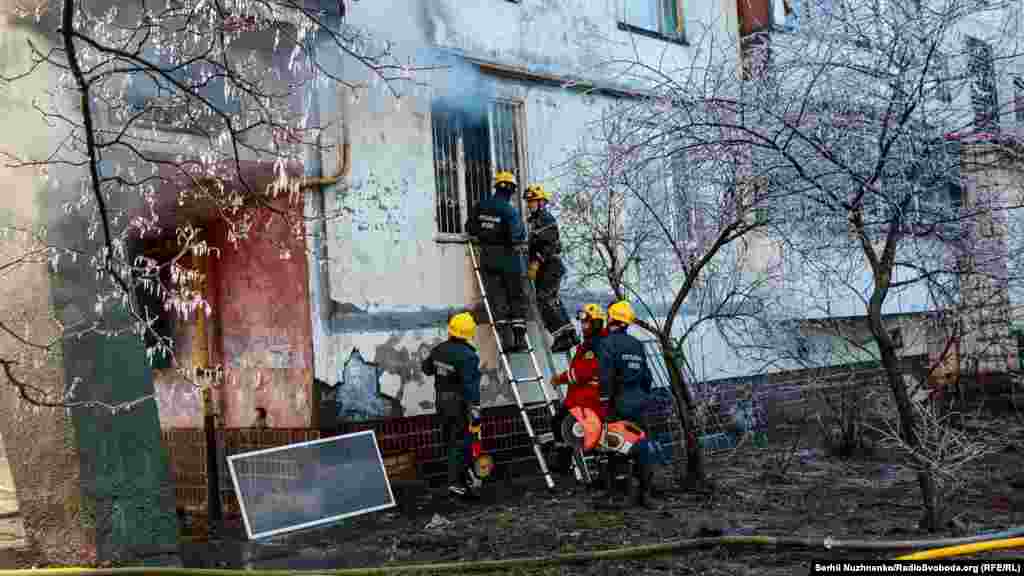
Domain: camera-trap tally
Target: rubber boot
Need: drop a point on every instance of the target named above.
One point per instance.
(643, 495)
(565, 341)
(563, 460)
(508, 338)
(519, 342)
(612, 497)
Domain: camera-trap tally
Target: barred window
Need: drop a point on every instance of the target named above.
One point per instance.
(470, 147)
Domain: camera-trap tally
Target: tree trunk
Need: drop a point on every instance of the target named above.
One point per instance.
(696, 477)
(930, 519)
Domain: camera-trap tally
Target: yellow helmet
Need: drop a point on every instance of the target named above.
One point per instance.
(536, 192)
(621, 311)
(462, 326)
(591, 312)
(504, 177)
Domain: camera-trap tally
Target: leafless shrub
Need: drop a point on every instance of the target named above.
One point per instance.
(945, 450)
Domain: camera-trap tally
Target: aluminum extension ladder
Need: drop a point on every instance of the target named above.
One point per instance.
(538, 378)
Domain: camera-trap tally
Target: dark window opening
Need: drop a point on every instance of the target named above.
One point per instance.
(470, 147)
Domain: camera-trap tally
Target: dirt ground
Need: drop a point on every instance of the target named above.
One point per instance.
(815, 495)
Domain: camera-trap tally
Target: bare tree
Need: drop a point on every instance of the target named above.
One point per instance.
(660, 212)
(878, 128)
(178, 109)
(945, 449)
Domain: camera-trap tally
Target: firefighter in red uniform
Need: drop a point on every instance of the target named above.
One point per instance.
(582, 377)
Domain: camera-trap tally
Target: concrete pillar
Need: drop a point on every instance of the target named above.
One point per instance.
(40, 442)
(92, 484)
(994, 182)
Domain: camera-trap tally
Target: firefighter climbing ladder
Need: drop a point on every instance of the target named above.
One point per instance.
(537, 378)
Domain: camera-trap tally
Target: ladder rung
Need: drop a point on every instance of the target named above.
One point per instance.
(530, 379)
(520, 352)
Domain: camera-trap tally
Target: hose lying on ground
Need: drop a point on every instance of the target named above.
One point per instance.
(965, 549)
(622, 553)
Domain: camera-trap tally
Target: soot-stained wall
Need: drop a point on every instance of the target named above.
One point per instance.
(389, 286)
(264, 339)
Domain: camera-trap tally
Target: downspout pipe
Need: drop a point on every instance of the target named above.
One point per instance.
(314, 183)
(507, 565)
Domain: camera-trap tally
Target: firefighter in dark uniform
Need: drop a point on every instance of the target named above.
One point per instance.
(582, 378)
(455, 366)
(546, 269)
(496, 226)
(622, 362)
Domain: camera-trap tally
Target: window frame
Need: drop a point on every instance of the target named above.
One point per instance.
(976, 77)
(808, 27)
(156, 118)
(678, 37)
(800, 7)
(519, 131)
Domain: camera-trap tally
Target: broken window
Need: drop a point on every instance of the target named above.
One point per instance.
(661, 17)
(470, 147)
(984, 97)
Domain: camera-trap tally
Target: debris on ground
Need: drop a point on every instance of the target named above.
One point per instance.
(869, 498)
(438, 522)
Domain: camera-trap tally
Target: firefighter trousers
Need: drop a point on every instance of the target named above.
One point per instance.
(506, 295)
(548, 284)
(458, 444)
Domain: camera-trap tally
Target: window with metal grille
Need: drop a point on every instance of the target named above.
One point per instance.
(470, 147)
(984, 97)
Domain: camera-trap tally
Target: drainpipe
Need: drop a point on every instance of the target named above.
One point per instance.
(202, 372)
(319, 184)
(315, 182)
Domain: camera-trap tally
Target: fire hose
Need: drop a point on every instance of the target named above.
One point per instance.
(1010, 538)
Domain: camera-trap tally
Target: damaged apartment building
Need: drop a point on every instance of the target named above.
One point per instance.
(337, 338)
(513, 85)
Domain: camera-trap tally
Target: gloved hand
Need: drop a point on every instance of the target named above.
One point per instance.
(474, 413)
(532, 270)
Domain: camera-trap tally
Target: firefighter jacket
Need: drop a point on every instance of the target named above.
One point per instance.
(544, 244)
(496, 225)
(622, 363)
(455, 366)
(583, 377)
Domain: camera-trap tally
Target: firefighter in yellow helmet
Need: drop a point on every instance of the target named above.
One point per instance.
(625, 374)
(546, 269)
(496, 226)
(455, 366)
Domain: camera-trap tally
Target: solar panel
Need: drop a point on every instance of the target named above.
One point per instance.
(310, 484)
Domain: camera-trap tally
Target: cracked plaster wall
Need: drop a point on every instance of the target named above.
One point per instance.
(386, 291)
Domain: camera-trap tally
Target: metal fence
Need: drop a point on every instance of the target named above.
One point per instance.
(419, 437)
